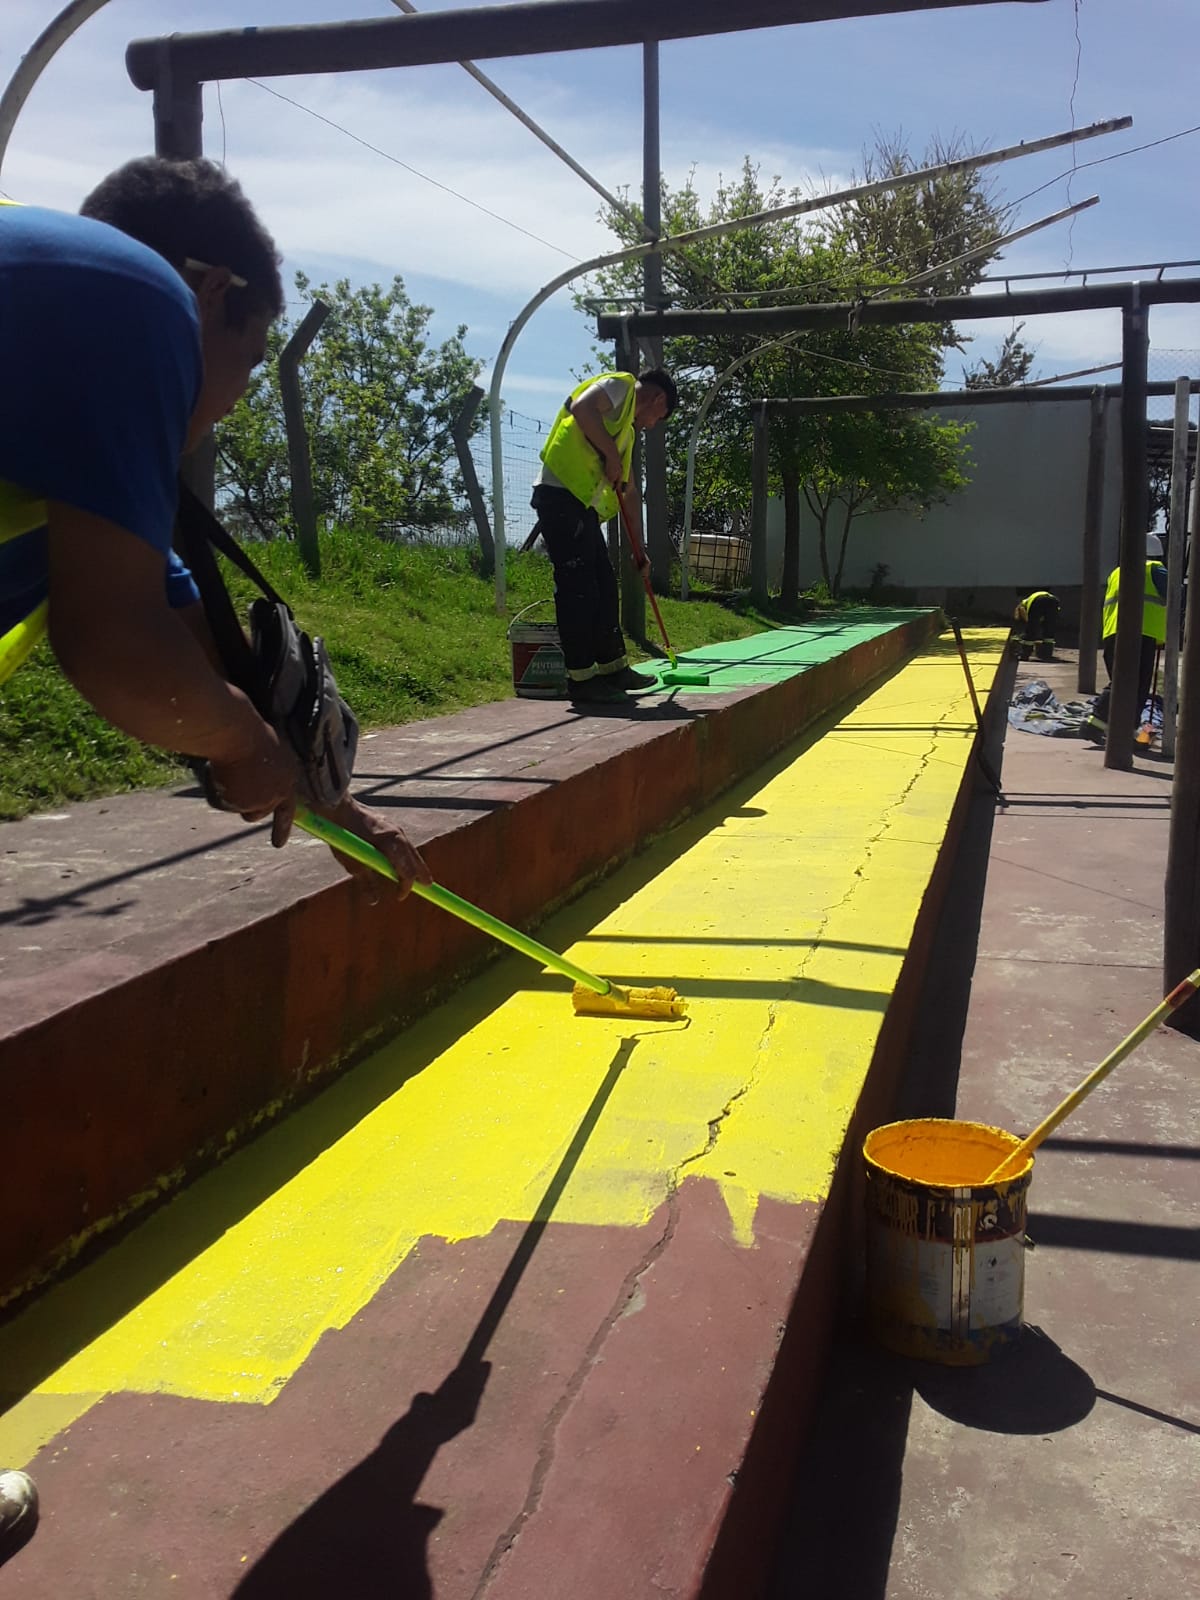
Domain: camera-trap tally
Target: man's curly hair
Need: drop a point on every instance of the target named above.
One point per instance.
(194, 210)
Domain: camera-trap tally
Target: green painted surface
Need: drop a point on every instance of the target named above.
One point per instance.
(782, 652)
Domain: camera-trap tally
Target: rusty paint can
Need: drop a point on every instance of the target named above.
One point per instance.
(538, 669)
(945, 1248)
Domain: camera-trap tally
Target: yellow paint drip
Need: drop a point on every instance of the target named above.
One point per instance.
(784, 926)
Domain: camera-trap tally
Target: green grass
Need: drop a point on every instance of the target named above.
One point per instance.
(412, 632)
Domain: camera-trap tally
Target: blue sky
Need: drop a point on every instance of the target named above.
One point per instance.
(802, 101)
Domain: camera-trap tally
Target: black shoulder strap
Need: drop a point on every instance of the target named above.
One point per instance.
(197, 532)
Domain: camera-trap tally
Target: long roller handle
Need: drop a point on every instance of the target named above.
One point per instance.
(639, 556)
(350, 844)
(1181, 992)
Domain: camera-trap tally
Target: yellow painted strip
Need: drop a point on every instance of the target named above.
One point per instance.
(785, 926)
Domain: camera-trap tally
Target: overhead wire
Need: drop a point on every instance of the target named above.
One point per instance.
(221, 109)
(1099, 161)
(1074, 148)
(408, 167)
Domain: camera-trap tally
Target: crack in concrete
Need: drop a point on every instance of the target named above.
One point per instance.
(631, 1287)
(714, 1124)
(630, 1290)
(873, 839)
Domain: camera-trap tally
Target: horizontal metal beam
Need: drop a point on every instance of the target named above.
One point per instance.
(948, 399)
(773, 320)
(538, 28)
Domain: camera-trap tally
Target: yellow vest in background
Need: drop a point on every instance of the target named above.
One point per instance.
(575, 461)
(1154, 608)
(1024, 605)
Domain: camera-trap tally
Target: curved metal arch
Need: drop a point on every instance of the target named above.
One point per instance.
(35, 61)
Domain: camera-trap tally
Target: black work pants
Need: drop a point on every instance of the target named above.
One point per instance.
(585, 586)
(1145, 678)
(1042, 622)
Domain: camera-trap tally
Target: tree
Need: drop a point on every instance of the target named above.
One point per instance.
(858, 250)
(379, 403)
(881, 461)
(1011, 365)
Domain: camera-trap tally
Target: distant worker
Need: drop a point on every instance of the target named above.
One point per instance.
(586, 462)
(1038, 616)
(1154, 634)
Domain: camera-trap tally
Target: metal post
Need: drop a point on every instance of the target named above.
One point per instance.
(178, 133)
(654, 443)
(633, 592)
(1181, 923)
(1089, 598)
(1176, 556)
(304, 511)
(758, 507)
(178, 117)
(1122, 712)
(461, 434)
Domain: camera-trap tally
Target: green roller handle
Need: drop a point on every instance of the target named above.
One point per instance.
(350, 844)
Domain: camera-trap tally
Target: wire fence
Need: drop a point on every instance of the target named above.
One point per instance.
(523, 437)
(1164, 366)
(522, 440)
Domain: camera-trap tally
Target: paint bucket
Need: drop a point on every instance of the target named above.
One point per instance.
(945, 1248)
(538, 669)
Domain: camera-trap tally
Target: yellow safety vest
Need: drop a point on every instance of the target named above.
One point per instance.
(20, 513)
(575, 461)
(1023, 607)
(1154, 608)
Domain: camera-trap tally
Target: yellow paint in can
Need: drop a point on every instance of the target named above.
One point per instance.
(945, 1248)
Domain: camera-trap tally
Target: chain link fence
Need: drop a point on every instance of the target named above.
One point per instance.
(522, 441)
(523, 437)
(1164, 366)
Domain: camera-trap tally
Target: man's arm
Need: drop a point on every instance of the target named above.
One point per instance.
(142, 667)
(589, 412)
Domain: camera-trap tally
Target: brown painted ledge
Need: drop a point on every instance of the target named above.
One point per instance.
(167, 983)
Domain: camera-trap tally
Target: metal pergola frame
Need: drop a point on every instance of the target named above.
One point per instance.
(1181, 944)
(176, 66)
(1131, 299)
(1098, 396)
(534, 27)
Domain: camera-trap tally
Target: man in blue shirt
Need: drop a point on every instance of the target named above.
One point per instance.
(125, 334)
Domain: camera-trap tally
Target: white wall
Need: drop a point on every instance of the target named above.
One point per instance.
(1017, 525)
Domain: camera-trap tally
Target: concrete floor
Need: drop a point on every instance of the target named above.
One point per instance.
(509, 1308)
(1068, 1467)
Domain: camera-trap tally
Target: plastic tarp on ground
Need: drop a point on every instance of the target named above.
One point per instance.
(1035, 708)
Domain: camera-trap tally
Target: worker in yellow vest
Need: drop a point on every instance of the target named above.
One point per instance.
(586, 462)
(1037, 617)
(1154, 634)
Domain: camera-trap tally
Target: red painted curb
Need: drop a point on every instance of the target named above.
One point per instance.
(133, 1070)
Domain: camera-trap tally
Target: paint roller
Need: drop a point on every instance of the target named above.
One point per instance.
(592, 996)
(675, 675)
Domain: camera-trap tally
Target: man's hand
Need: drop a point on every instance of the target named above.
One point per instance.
(385, 836)
(261, 783)
(614, 472)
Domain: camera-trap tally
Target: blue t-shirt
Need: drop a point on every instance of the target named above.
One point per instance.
(100, 370)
